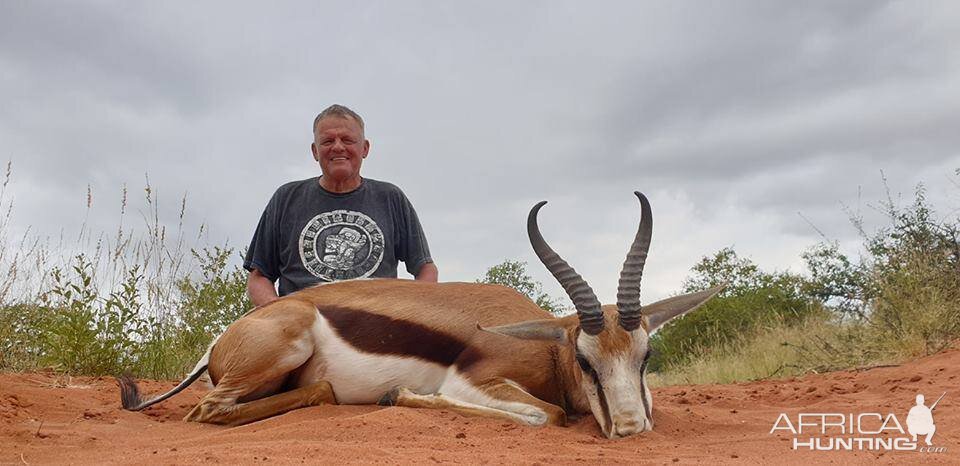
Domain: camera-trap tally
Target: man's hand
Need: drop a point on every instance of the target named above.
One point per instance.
(428, 273)
(260, 289)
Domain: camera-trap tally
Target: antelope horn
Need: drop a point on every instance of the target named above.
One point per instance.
(628, 291)
(588, 307)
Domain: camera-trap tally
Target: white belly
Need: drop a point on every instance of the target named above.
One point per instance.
(363, 378)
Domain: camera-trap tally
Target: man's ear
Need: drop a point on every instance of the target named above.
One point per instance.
(542, 329)
(660, 312)
(366, 147)
(313, 148)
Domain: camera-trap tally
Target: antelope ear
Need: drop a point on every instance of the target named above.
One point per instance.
(660, 312)
(542, 329)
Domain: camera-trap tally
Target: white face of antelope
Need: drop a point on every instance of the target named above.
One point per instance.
(612, 348)
(613, 366)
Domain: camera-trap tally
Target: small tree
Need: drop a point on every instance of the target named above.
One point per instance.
(514, 274)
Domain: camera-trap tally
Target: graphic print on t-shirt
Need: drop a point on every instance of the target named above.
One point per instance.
(341, 245)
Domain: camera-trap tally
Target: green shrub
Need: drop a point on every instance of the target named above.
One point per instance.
(76, 330)
(21, 336)
(83, 333)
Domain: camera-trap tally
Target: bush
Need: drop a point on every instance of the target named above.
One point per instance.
(211, 303)
(76, 330)
(905, 291)
(134, 301)
(85, 334)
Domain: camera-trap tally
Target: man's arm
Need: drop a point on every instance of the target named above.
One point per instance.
(260, 288)
(428, 273)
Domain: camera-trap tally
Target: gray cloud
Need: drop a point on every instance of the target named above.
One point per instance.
(742, 121)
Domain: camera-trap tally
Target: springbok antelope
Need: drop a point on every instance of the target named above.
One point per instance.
(470, 348)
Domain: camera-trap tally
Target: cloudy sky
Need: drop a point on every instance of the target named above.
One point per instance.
(748, 124)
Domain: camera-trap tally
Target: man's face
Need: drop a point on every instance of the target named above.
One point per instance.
(333, 245)
(339, 146)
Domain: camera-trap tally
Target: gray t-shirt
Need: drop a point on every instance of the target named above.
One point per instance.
(308, 235)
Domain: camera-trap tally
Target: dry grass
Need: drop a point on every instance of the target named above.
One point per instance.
(144, 299)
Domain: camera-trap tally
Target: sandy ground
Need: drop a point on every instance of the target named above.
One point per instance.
(46, 419)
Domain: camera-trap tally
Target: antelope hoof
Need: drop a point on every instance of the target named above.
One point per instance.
(390, 398)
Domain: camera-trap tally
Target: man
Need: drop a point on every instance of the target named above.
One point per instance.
(337, 226)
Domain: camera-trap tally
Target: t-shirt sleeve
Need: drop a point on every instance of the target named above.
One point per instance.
(412, 248)
(264, 251)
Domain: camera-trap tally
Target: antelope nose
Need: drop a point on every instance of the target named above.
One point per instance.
(629, 425)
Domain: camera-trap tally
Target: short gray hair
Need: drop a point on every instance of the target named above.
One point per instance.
(340, 111)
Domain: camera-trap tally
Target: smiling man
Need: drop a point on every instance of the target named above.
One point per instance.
(337, 226)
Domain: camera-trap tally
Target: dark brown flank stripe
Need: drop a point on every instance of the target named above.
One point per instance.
(374, 333)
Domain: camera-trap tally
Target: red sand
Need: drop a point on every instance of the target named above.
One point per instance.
(46, 419)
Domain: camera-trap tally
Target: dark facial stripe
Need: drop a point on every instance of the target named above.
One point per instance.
(607, 419)
(605, 410)
(373, 333)
(643, 386)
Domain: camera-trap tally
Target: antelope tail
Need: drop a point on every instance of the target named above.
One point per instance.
(132, 400)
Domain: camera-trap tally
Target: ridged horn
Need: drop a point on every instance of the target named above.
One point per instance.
(588, 307)
(628, 290)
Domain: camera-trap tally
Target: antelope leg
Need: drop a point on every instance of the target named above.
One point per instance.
(216, 409)
(498, 400)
